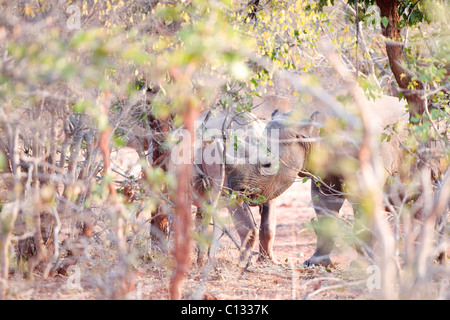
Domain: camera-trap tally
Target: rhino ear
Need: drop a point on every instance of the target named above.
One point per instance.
(309, 129)
(315, 116)
(313, 129)
(274, 113)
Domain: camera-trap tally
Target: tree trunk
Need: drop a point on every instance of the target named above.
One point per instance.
(182, 219)
(394, 50)
(182, 222)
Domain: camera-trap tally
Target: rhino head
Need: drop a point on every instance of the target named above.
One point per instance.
(281, 157)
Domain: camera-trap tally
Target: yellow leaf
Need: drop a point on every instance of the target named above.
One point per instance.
(346, 29)
(28, 10)
(186, 17)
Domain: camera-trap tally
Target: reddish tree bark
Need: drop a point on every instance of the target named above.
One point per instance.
(394, 50)
(183, 221)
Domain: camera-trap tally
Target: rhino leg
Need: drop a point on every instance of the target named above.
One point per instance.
(325, 205)
(246, 228)
(267, 230)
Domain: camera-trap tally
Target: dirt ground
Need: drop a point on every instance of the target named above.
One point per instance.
(294, 243)
(230, 279)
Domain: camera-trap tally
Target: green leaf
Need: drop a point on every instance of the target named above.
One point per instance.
(416, 16)
(385, 22)
(385, 136)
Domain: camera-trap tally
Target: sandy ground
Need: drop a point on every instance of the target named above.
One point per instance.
(294, 243)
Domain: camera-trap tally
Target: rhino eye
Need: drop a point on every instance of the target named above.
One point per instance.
(266, 165)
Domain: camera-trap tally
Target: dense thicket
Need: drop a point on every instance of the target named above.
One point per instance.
(82, 81)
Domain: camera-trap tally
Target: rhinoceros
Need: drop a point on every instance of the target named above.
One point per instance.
(238, 134)
(304, 151)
